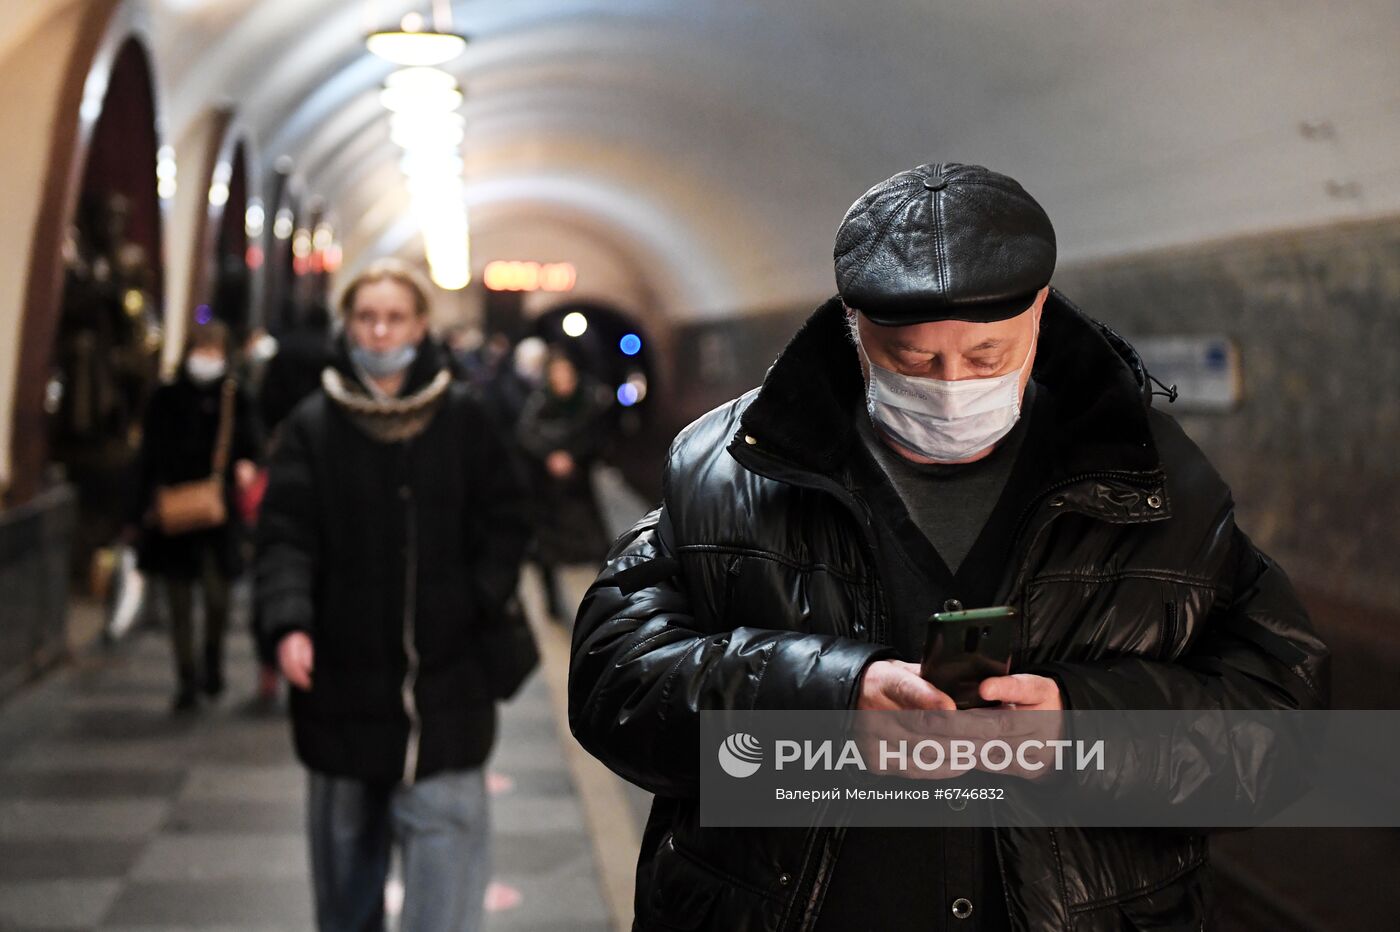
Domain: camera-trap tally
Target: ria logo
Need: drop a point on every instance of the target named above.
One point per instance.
(740, 755)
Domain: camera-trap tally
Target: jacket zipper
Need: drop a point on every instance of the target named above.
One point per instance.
(410, 648)
(1023, 565)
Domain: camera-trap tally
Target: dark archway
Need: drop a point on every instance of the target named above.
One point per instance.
(102, 360)
(281, 301)
(230, 293)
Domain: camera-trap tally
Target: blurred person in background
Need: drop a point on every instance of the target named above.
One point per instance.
(561, 431)
(514, 375)
(179, 444)
(391, 534)
(295, 370)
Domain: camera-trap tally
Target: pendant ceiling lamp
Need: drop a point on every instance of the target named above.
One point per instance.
(416, 43)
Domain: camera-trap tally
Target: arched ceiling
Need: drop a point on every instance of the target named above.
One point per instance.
(720, 142)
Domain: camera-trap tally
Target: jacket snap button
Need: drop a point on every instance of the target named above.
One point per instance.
(957, 805)
(750, 439)
(405, 492)
(785, 879)
(1057, 502)
(1154, 501)
(962, 907)
(952, 605)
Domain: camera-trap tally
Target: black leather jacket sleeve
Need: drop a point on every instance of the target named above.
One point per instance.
(1258, 651)
(643, 667)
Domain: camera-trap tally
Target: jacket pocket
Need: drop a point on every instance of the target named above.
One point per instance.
(1181, 906)
(683, 894)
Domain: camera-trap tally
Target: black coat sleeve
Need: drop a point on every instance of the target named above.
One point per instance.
(496, 489)
(643, 669)
(288, 540)
(1258, 652)
(247, 440)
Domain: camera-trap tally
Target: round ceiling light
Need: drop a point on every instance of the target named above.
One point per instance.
(416, 133)
(414, 100)
(416, 49)
(421, 79)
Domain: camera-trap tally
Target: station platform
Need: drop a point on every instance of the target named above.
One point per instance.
(117, 815)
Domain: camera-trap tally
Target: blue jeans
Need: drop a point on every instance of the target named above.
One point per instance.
(442, 828)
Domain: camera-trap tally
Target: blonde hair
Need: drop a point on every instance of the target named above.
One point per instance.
(390, 270)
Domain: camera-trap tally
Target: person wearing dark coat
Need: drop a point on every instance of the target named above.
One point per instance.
(391, 534)
(948, 432)
(177, 445)
(561, 431)
(295, 370)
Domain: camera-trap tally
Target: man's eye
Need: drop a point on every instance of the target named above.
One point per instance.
(986, 363)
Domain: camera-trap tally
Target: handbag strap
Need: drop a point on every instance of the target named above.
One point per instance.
(225, 435)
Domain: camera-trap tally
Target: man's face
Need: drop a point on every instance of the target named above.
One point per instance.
(954, 350)
(383, 317)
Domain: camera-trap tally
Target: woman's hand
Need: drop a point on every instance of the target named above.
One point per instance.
(296, 657)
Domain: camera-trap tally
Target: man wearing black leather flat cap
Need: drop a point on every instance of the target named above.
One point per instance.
(948, 432)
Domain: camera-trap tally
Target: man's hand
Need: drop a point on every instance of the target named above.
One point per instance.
(895, 685)
(296, 657)
(1023, 691)
(1026, 692)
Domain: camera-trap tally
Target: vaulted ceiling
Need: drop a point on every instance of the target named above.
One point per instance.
(716, 144)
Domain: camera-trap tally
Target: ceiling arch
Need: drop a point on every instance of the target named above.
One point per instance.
(739, 131)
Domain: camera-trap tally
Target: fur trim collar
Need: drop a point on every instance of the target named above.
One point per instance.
(388, 420)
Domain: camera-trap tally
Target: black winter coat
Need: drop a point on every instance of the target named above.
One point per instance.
(568, 523)
(391, 556)
(755, 586)
(177, 445)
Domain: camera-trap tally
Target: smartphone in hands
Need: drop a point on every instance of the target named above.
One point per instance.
(961, 649)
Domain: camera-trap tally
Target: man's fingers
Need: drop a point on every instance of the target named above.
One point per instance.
(1018, 689)
(911, 691)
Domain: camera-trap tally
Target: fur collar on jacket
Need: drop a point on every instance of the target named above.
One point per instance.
(390, 420)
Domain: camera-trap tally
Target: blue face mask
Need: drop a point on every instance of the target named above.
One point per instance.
(384, 363)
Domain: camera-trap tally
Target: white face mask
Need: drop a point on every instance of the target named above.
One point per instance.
(205, 369)
(944, 421)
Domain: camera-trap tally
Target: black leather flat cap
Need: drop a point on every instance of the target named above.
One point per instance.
(943, 242)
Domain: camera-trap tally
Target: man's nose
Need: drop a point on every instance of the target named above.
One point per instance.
(381, 330)
(955, 370)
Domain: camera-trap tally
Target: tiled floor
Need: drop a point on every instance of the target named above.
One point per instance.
(116, 815)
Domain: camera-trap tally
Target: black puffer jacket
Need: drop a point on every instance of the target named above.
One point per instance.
(755, 586)
(391, 555)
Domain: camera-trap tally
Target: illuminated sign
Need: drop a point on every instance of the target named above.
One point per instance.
(503, 275)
